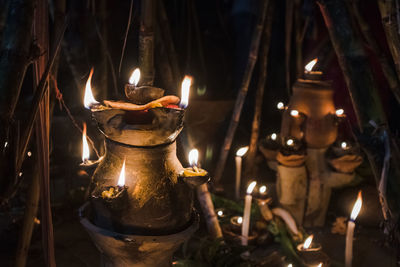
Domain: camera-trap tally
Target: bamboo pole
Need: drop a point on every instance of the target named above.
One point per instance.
(42, 127)
(387, 69)
(263, 63)
(255, 42)
(146, 42)
(288, 42)
(207, 206)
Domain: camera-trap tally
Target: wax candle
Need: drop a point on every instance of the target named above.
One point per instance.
(238, 159)
(246, 213)
(350, 230)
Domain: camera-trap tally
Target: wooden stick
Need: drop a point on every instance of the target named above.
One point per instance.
(255, 42)
(146, 42)
(204, 197)
(263, 62)
(288, 42)
(387, 69)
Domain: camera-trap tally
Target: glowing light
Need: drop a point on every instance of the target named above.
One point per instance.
(242, 151)
(290, 265)
(185, 88)
(280, 105)
(89, 98)
(290, 142)
(5, 144)
(320, 265)
(193, 157)
(220, 213)
(121, 179)
(20, 174)
(135, 77)
(274, 136)
(85, 146)
(344, 145)
(294, 113)
(339, 112)
(263, 189)
(250, 188)
(310, 65)
(307, 243)
(357, 207)
(29, 154)
(239, 220)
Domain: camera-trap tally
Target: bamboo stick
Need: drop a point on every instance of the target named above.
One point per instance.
(288, 42)
(387, 69)
(146, 42)
(255, 42)
(263, 63)
(204, 197)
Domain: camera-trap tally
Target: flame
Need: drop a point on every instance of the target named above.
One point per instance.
(239, 220)
(85, 146)
(89, 99)
(320, 265)
(290, 265)
(121, 179)
(193, 157)
(273, 136)
(357, 207)
(220, 213)
(343, 145)
(294, 113)
(242, 151)
(280, 105)
(135, 77)
(308, 241)
(339, 112)
(311, 64)
(262, 189)
(290, 142)
(251, 187)
(186, 83)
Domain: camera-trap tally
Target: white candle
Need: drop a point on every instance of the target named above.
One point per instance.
(246, 213)
(350, 231)
(238, 159)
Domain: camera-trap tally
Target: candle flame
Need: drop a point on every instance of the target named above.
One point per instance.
(273, 136)
(320, 265)
(308, 241)
(121, 179)
(290, 265)
(343, 145)
(89, 99)
(251, 186)
(193, 157)
(262, 189)
(85, 146)
(242, 151)
(356, 207)
(294, 113)
(239, 220)
(220, 213)
(290, 142)
(280, 105)
(339, 112)
(310, 65)
(185, 88)
(135, 77)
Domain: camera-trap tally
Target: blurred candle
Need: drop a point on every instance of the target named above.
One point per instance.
(246, 213)
(350, 230)
(238, 159)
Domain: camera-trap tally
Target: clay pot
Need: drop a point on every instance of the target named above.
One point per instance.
(314, 100)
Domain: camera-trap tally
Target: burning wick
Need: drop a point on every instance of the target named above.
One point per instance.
(280, 106)
(238, 160)
(290, 265)
(85, 146)
(308, 68)
(89, 99)
(135, 77)
(220, 213)
(246, 213)
(193, 158)
(185, 88)
(121, 179)
(307, 242)
(350, 230)
(294, 113)
(237, 220)
(344, 146)
(339, 112)
(273, 136)
(290, 142)
(262, 189)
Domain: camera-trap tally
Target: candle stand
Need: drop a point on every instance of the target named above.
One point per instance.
(152, 214)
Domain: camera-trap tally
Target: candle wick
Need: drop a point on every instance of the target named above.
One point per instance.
(195, 169)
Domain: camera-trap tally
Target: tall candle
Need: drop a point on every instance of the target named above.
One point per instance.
(246, 213)
(350, 231)
(238, 159)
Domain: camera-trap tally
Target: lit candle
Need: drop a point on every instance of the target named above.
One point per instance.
(339, 112)
(294, 113)
(237, 221)
(238, 159)
(280, 106)
(185, 88)
(246, 213)
(113, 192)
(220, 213)
(290, 142)
(273, 137)
(262, 192)
(344, 146)
(350, 230)
(89, 100)
(310, 65)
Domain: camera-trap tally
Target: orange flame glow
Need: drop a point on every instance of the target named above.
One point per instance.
(85, 146)
(242, 151)
(89, 98)
(135, 77)
(311, 64)
(357, 207)
(308, 241)
(193, 157)
(251, 186)
(121, 180)
(185, 88)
